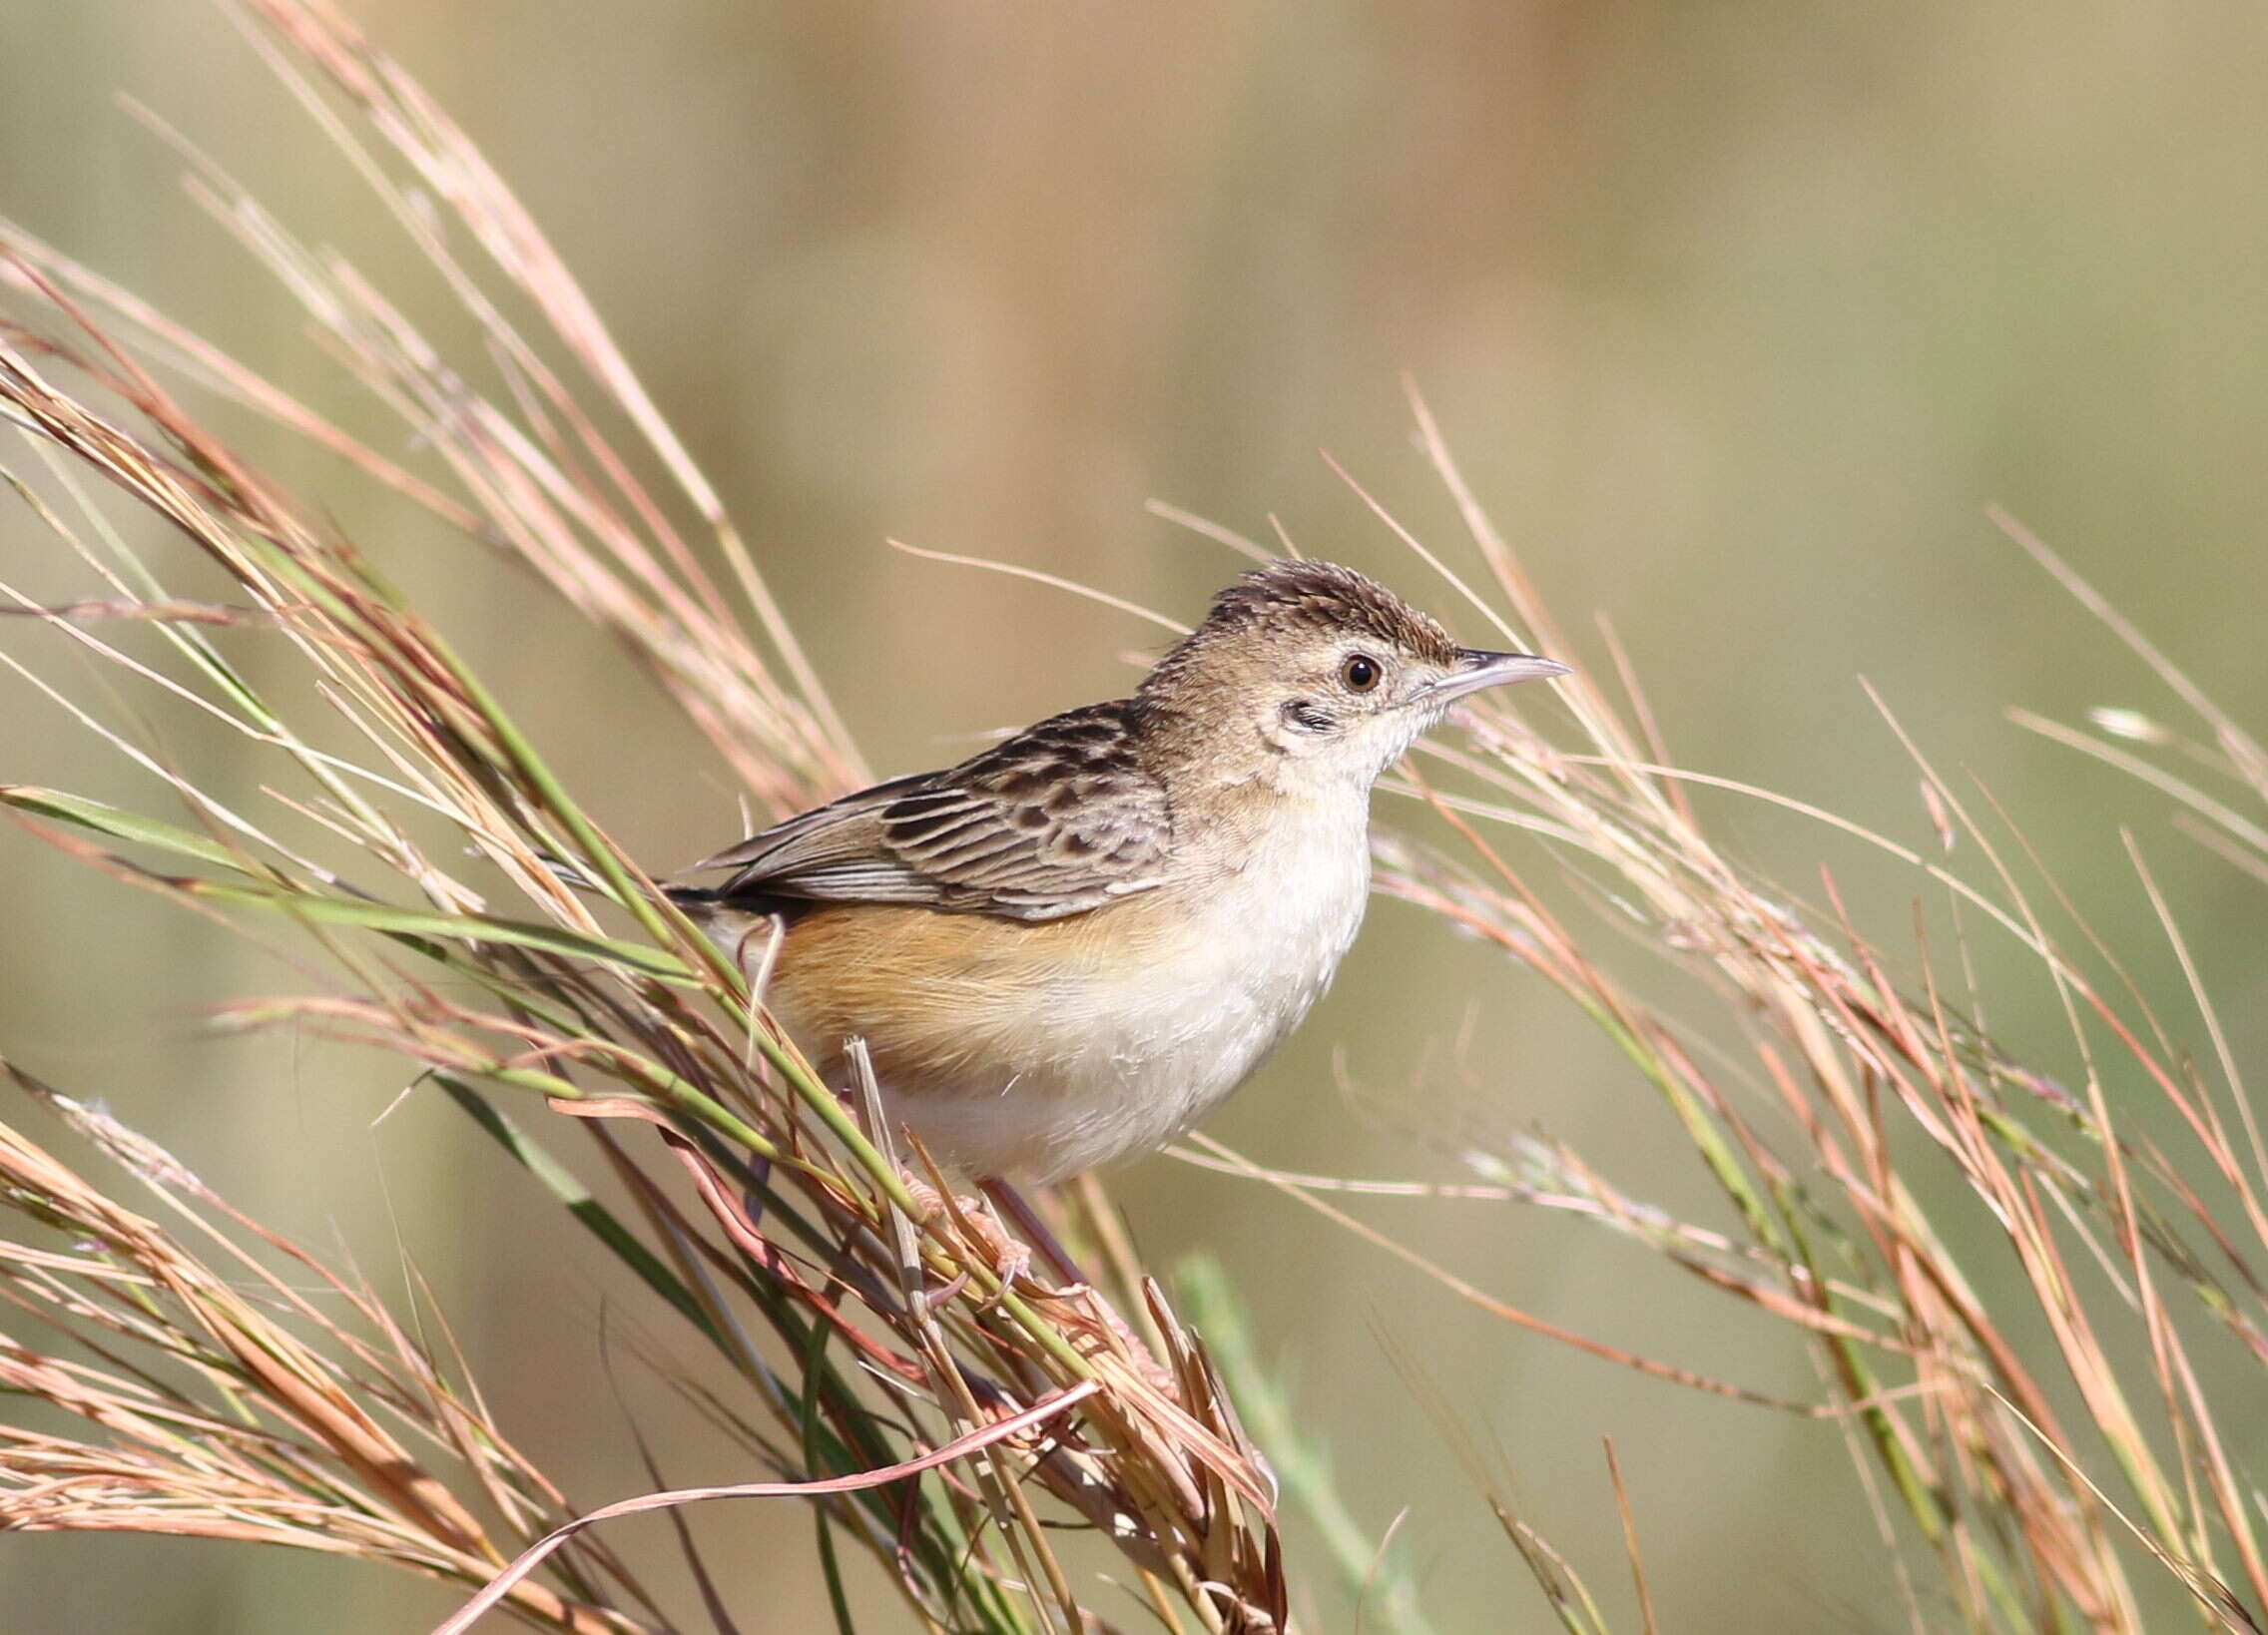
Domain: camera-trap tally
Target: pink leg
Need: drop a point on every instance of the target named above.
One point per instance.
(1012, 1257)
(1017, 1209)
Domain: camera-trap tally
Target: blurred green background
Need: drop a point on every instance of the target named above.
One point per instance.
(1738, 316)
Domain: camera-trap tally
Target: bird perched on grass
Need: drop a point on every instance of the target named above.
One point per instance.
(1070, 947)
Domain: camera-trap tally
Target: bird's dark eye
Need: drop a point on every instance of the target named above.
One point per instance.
(1360, 672)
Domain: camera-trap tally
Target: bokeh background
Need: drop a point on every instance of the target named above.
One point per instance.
(1738, 316)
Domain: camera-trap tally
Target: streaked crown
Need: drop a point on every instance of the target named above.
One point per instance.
(1293, 601)
(1327, 596)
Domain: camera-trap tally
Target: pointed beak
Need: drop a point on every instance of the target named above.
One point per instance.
(1477, 667)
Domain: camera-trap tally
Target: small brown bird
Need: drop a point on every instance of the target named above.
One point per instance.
(1072, 946)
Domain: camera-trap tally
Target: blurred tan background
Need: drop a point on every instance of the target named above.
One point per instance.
(1738, 316)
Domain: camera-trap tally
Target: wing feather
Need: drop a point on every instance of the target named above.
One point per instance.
(1060, 818)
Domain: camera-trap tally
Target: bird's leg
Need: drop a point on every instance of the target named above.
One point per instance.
(1018, 1209)
(1012, 1258)
(1011, 1205)
(975, 1214)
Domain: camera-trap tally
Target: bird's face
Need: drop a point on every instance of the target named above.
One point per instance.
(1313, 677)
(1349, 707)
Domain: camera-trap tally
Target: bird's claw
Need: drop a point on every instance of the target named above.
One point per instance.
(1011, 1257)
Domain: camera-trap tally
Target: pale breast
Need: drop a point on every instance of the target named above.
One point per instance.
(1038, 1051)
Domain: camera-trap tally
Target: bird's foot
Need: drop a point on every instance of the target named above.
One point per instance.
(1012, 1258)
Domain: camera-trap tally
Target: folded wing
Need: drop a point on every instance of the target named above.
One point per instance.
(1059, 820)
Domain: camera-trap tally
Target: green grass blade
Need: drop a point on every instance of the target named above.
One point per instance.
(562, 1184)
(114, 823)
(428, 922)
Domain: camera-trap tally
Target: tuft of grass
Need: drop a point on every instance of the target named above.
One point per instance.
(943, 1421)
(2031, 1453)
(222, 1399)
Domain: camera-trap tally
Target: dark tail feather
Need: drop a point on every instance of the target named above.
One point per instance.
(704, 902)
(575, 877)
(566, 874)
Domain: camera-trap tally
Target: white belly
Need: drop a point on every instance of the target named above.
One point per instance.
(1119, 1064)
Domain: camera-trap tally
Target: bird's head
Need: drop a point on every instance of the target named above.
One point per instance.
(1310, 675)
